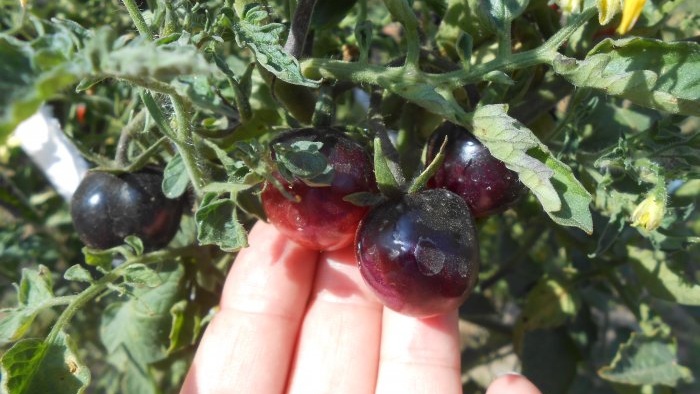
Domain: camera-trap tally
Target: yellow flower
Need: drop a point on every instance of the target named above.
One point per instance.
(630, 12)
(649, 213)
(607, 9)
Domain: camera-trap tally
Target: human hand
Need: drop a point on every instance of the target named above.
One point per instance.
(300, 321)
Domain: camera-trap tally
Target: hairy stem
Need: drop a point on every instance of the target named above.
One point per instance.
(183, 138)
(137, 17)
(402, 11)
(388, 77)
(127, 132)
(299, 28)
(185, 145)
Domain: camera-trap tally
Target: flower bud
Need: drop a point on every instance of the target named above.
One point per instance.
(649, 212)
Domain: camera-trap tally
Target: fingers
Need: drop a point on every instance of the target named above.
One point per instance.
(512, 384)
(338, 348)
(419, 355)
(248, 346)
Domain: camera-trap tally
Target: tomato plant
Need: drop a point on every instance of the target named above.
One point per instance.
(589, 270)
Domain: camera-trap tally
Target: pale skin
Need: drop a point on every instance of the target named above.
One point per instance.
(293, 320)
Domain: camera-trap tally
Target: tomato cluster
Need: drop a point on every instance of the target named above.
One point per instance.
(418, 252)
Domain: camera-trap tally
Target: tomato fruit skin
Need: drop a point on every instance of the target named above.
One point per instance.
(321, 219)
(420, 253)
(106, 208)
(469, 170)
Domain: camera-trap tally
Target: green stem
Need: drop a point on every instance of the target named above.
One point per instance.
(242, 103)
(560, 37)
(131, 128)
(58, 301)
(137, 17)
(505, 49)
(78, 301)
(147, 83)
(299, 28)
(404, 14)
(186, 146)
(183, 141)
(387, 77)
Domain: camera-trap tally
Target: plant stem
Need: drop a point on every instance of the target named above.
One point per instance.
(137, 17)
(185, 145)
(299, 28)
(404, 14)
(505, 49)
(183, 141)
(76, 302)
(560, 37)
(134, 124)
(388, 77)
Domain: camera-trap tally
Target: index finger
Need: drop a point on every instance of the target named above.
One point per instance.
(248, 345)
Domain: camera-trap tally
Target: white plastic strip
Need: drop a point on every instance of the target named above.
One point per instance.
(42, 139)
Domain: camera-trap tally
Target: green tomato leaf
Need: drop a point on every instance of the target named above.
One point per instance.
(35, 287)
(465, 46)
(139, 275)
(502, 12)
(99, 258)
(157, 114)
(304, 160)
(132, 331)
(660, 280)
(135, 244)
(187, 324)
(462, 18)
(562, 196)
(650, 73)
(175, 178)
(430, 98)
(202, 94)
(499, 77)
(646, 359)
(549, 304)
(78, 273)
(575, 210)
(264, 40)
(387, 171)
(31, 73)
(34, 293)
(141, 59)
(35, 366)
(217, 224)
(15, 323)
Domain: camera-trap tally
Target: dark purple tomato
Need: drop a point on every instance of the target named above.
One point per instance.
(419, 253)
(108, 207)
(320, 219)
(469, 170)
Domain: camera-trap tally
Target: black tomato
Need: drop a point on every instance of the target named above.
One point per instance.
(469, 170)
(419, 253)
(107, 207)
(320, 218)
